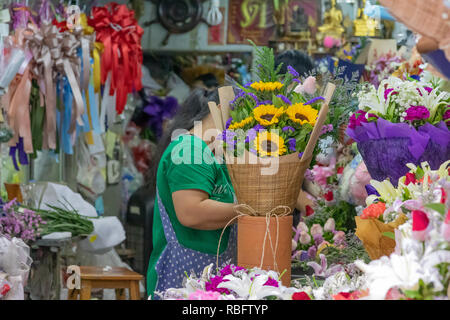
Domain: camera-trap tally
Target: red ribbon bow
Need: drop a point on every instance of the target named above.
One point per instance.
(118, 30)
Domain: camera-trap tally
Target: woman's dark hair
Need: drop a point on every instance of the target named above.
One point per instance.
(299, 60)
(209, 80)
(194, 108)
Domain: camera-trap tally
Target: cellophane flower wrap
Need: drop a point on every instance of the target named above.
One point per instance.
(401, 122)
(390, 207)
(270, 120)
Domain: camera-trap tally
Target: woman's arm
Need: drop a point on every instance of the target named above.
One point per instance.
(195, 210)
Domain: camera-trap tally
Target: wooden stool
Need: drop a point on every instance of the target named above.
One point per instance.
(116, 278)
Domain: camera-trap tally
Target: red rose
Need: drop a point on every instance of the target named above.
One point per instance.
(410, 178)
(340, 170)
(300, 296)
(329, 196)
(5, 289)
(444, 196)
(309, 211)
(420, 220)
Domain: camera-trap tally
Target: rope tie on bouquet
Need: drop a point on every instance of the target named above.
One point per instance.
(243, 210)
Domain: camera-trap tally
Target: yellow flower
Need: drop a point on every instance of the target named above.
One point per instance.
(241, 124)
(269, 144)
(267, 114)
(301, 114)
(266, 86)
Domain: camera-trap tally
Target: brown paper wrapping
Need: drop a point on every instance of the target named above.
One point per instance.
(370, 232)
(251, 231)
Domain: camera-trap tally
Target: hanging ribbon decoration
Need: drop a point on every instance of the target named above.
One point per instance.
(118, 30)
(55, 53)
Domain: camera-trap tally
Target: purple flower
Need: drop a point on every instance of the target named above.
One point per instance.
(300, 155)
(287, 128)
(212, 284)
(292, 71)
(158, 110)
(239, 95)
(428, 89)
(417, 113)
(304, 255)
(226, 271)
(371, 190)
(387, 92)
(446, 114)
(357, 118)
(251, 135)
(314, 100)
(292, 144)
(227, 125)
(260, 103)
(253, 96)
(322, 270)
(318, 239)
(259, 127)
(297, 80)
(312, 251)
(271, 282)
(326, 128)
(284, 98)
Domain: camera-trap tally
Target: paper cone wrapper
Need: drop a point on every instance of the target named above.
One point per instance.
(251, 232)
(370, 232)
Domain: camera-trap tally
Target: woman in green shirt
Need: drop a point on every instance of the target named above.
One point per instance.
(194, 199)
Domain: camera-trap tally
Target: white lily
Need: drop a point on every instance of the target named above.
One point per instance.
(250, 289)
(386, 190)
(432, 100)
(403, 271)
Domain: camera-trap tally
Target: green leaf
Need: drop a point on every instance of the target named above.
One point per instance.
(438, 207)
(389, 235)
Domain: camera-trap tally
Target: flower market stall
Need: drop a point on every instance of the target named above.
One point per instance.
(224, 150)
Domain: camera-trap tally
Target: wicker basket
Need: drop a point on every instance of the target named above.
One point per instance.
(268, 192)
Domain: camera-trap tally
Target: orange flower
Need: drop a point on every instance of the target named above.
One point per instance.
(375, 210)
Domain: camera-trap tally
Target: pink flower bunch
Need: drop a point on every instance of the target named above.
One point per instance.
(205, 295)
(417, 113)
(311, 240)
(23, 224)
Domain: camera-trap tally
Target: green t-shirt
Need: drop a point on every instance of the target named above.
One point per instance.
(188, 163)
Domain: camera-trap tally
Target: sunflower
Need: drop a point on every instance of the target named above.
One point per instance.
(267, 114)
(241, 124)
(301, 114)
(266, 86)
(269, 144)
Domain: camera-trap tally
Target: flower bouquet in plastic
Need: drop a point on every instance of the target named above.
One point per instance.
(401, 122)
(390, 207)
(269, 133)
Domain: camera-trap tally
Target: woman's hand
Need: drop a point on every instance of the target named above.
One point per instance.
(195, 210)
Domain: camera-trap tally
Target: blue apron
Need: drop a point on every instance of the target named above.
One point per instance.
(176, 259)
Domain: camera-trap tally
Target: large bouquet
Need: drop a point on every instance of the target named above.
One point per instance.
(401, 122)
(270, 122)
(269, 137)
(390, 207)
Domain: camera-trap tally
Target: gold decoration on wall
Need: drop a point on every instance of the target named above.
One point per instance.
(332, 22)
(364, 26)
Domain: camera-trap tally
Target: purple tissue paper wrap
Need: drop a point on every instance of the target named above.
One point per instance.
(387, 147)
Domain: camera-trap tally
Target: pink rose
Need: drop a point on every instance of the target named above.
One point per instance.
(309, 86)
(305, 238)
(330, 225)
(316, 229)
(339, 236)
(302, 227)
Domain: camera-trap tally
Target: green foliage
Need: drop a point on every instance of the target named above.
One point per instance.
(342, 212)
(265, 64)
